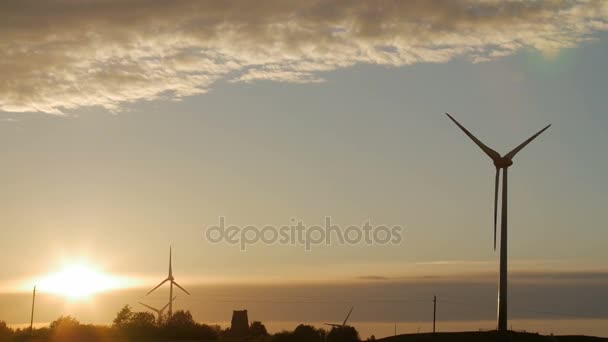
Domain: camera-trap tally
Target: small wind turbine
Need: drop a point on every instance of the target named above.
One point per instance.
(343, 323)
(172, 282)
(160, 311)
(33, 306)
(500, 163)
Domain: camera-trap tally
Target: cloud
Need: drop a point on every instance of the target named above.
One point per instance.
(373, 277)
(59, 55)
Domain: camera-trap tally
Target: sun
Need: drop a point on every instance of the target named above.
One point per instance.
(78, 281)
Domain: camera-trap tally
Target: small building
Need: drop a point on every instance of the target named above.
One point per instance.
(239, 326)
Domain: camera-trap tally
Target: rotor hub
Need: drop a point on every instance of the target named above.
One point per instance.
(503, 163)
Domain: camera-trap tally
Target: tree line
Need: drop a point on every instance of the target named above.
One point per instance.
(131, 326)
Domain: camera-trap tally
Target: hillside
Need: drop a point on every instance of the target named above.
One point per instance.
(488, 336)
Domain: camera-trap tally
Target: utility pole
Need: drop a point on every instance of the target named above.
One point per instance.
(32, 316)
(434, 312)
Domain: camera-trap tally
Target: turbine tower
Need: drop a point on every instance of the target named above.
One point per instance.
(172, 282)
(500, 163)
(343, 323)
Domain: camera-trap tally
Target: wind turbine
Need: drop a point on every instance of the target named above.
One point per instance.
(172, 282)
(500, 163)
(160, 311)
(343, 323)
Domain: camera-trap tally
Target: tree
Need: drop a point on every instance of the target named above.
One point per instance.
(135, 324)
(180, 325)
(257, 329)
(181, 319)
(67, 328)
(307, 333)
(283, 336)
(123, 317)
(5, 331)
(343, 334)
(142, 320)
(64, 323)
(207, 332)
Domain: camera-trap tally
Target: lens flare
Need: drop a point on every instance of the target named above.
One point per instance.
(78, 281)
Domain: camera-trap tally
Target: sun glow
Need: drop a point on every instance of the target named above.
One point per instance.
(79, 281)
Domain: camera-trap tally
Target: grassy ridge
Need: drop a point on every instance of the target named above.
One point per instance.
(488, 336)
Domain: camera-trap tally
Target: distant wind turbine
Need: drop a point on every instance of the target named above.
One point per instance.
(343, 323)
(33, 306)
(500, 163)
(172, 282)
(160, 311)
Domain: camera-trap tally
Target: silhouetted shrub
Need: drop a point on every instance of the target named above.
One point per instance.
(302, 333)
(5, 332)
(283, 336)
(207, 332)
(67, 328)
(343, 334)
(257, 329)
(142, 320)
(307, 333)
(123, 317)
(64, 322)
(135, 324)
(182, 326)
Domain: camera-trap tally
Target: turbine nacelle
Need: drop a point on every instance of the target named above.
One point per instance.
(503, 163)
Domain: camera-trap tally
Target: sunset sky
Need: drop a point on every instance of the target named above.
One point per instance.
(129, 126)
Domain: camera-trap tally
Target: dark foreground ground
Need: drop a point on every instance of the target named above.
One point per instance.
(488, 336)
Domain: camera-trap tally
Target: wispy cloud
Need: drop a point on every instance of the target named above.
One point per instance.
(373, 277)
(58, 55)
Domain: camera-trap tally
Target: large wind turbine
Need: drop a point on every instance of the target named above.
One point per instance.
(159, 312)
(343, 323)
(172, 282)
(500, 163)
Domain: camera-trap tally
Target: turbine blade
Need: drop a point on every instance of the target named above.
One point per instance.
(490, 152)
(150, 307)
(346, 319)
(512, 154)
(164, 307)
(332, 324)
(181, 288)
(496, 202)
(157, 286)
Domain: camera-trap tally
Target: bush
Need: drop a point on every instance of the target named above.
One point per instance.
(343, 334)
(257, 329)
(182, 326)
(5, 332)
(123, 317)
(67, 328)
(307, 333)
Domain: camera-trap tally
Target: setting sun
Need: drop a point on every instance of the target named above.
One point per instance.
(80, 281)
(318, 171)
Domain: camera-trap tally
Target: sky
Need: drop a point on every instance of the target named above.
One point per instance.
(129, 126)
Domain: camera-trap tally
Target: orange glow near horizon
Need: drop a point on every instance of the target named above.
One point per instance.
(79, 281)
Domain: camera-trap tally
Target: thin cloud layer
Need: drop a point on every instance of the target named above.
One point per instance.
(59, 55)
